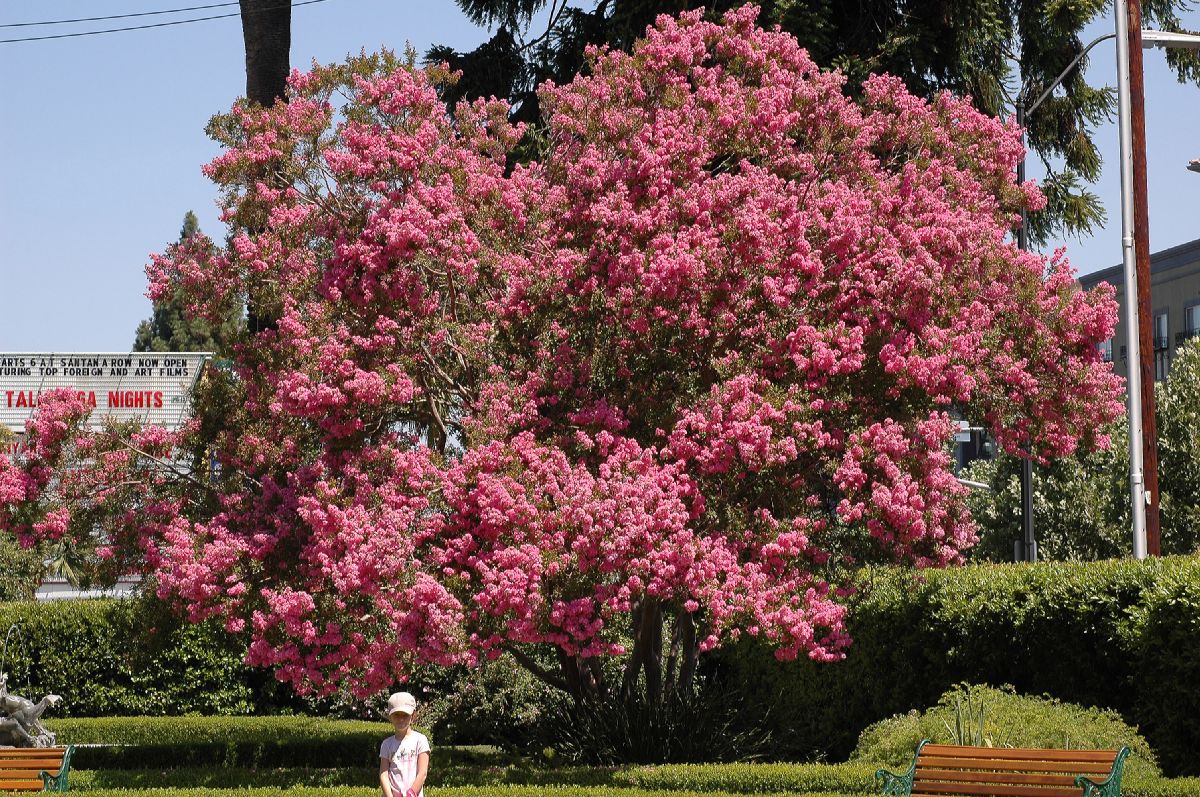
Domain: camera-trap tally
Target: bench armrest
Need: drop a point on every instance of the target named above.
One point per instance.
(893, 785)
(1110, 786)
(58, 782)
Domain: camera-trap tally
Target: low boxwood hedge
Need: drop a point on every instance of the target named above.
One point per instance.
(289, 741)
(752, 778)
(443, 774)
(157, 742)
(191, 730)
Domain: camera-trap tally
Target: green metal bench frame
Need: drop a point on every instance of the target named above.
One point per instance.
(58, 782)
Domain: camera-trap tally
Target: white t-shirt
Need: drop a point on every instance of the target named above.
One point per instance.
(401, 755)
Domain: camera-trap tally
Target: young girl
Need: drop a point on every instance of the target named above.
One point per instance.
(404, 756)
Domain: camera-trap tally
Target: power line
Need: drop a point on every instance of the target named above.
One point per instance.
(115, 16)
(147, 27)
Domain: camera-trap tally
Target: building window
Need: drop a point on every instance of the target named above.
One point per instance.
(1162, 346)
(1105, 349)
(1191, 322)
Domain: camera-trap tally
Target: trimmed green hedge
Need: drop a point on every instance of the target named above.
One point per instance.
(752, 778)
(444, 774)
(109, 657)
(217, 777)
(281, 741)
(1162, 787)
(240, 730)
(1119, 634)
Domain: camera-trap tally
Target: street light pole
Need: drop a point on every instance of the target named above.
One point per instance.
(1026, 548)
(1132, 318)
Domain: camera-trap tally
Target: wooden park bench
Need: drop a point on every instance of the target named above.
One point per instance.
(34, 769)
(950, 769)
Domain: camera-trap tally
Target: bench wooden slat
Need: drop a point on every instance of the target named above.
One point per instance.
(940, 762)
(20, 785)
(30, 752)
(993, 790)
(959, 775)
(1023, 753)
(31, 763)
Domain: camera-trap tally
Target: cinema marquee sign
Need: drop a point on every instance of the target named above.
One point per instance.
(154, 388)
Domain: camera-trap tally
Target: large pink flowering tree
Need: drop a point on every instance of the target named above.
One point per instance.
(665, 384)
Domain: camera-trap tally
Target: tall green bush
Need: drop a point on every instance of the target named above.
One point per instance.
(1123, 635)
(110, 657)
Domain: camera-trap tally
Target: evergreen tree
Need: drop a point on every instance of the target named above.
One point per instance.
(984, 49)
(169, 329)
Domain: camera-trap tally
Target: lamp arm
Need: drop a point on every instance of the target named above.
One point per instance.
(1062, 75)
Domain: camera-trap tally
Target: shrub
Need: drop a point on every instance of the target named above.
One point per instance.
(704, 727)
(136, 658)
(445, 772)
(499, 703)
(149, 742)
(131, 657)
(1008, 720)
(141, 731)
(752, 778)
(1166, 643)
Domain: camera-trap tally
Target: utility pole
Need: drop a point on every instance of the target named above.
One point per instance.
(1141, 244)
(1025, 549)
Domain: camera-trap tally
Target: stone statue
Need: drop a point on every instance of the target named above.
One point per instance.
(21, 718)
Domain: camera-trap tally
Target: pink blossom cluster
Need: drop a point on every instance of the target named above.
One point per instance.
(108, 488)
(700, 352)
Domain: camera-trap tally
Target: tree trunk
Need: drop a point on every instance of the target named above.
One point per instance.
(583, 678)
(686, 621)
(650, 638)
(267, 33)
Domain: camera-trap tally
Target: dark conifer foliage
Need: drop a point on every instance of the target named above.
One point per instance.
(985, 49)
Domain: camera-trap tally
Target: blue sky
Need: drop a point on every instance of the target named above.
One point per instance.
(102, 140)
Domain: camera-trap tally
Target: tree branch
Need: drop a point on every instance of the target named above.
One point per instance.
(537, 670)
(167, 466)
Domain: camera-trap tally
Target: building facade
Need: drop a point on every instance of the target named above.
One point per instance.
(1174, 302)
